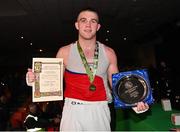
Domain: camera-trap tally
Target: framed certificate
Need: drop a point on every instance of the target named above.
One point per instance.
(48, 85)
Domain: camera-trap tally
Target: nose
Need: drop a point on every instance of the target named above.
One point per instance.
(88, 23)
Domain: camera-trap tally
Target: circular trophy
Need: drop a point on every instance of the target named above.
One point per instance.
(131, 89)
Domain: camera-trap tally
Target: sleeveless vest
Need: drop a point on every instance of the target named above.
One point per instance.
(77, 82)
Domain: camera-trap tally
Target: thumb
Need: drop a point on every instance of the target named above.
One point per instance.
(29, 70)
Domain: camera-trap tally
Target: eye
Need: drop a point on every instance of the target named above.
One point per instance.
(83, 20)
(94, 21)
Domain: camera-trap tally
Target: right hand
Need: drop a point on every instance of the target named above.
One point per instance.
(30, 77)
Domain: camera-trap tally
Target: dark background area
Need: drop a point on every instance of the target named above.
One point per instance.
(134, 28)
(143, 33)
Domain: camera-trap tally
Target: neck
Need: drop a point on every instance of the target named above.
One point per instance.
(87, 44)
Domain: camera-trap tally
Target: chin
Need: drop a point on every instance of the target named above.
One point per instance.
(88, 37)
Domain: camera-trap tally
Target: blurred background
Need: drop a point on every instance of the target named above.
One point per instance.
(144, 34)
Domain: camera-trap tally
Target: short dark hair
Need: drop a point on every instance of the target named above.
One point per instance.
(88, 9)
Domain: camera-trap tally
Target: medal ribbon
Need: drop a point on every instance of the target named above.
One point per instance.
(91, 74)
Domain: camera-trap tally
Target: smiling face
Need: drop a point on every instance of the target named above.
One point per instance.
(87, 24)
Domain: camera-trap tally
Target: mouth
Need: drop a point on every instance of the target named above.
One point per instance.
(88, 30)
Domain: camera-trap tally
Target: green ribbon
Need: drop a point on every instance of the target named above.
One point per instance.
(90, 74)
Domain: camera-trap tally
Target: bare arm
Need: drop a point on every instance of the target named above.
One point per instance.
(113, 66)
(64, 53)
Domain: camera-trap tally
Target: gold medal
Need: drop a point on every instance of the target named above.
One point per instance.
(92, 87)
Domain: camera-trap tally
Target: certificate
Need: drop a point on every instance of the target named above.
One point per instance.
(48, 84)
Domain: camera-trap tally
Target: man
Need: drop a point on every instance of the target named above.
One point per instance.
(89, 66)
(33, 121)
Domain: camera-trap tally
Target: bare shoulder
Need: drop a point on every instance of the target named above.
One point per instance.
(110, 52)
(63, 51)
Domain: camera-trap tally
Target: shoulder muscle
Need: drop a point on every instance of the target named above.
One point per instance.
(63, 52)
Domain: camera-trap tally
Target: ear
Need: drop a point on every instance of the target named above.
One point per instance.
(99, 26)
(76, 25)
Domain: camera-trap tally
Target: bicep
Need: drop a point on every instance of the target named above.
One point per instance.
(113, 66)
(63, 53)
(60, 54)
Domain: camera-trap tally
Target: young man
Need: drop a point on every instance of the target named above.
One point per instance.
(89, 66)
(33, 121)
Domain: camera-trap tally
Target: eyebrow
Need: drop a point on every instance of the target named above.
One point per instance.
(91, 19)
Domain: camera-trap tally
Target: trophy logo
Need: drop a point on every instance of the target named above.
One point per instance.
(131, 87)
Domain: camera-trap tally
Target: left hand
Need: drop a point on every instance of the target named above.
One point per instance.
(141, 107)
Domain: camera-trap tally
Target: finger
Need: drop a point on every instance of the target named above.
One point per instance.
(141, 106)
(147, 106)
(29, 70)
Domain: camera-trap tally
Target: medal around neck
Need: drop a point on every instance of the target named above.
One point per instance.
(92, 87)
(90, 74)
(131, 87)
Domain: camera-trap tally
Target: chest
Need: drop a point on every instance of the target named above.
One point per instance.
(89, 55)
(75, 63)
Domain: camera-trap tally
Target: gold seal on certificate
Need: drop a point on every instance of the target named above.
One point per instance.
(48, 85)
